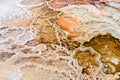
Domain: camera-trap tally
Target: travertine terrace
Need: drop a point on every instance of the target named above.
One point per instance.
(59, 39)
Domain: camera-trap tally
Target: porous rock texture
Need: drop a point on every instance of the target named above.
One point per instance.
(59, 39)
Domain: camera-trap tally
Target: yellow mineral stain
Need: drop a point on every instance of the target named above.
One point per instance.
(109, 48)
(86, 59)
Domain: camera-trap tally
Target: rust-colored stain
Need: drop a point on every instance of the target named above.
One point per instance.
(56, 4)
(109, 49)
(68, 24)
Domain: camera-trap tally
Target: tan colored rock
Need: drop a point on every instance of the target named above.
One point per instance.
(59, 40)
